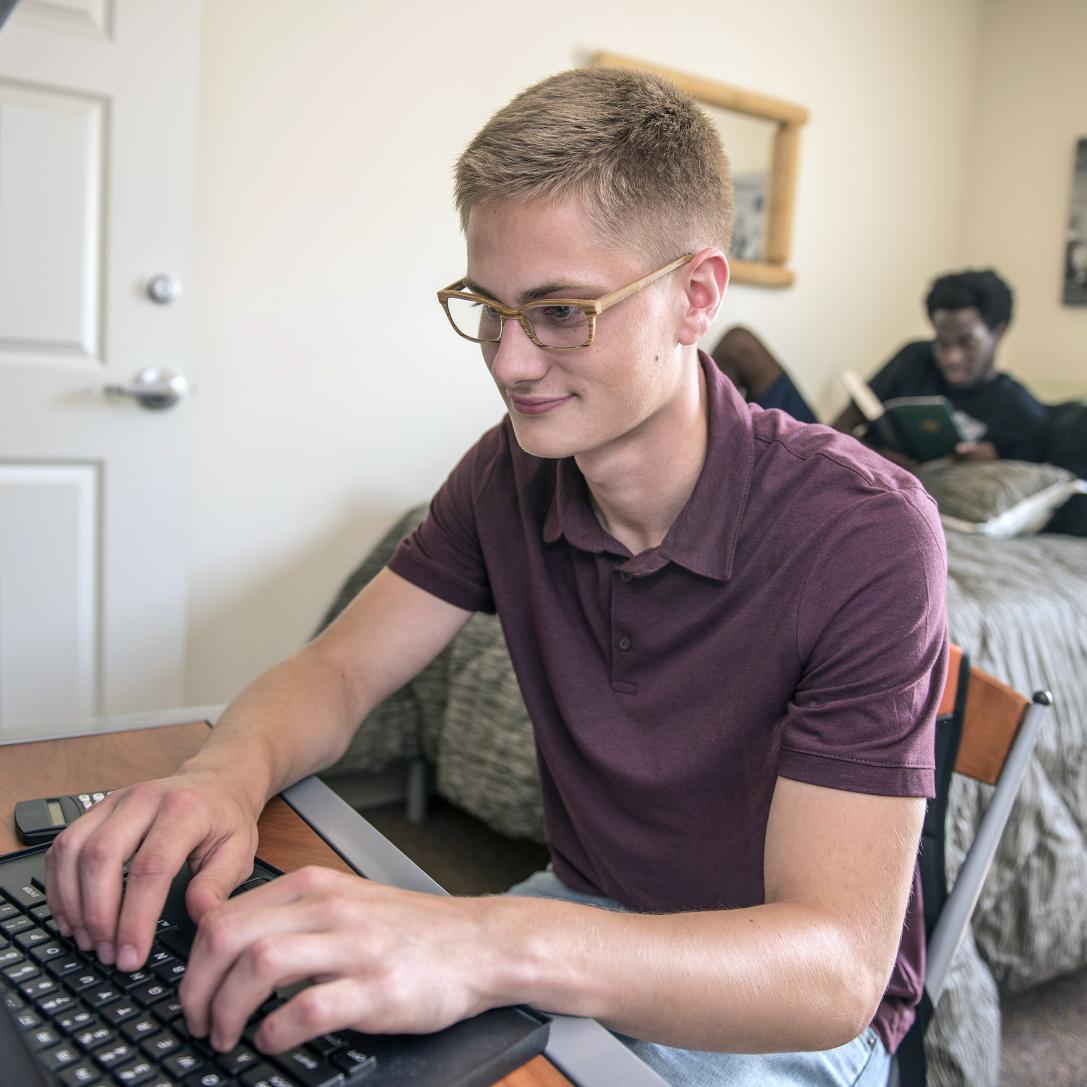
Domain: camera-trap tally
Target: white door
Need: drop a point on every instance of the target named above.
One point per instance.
(97, 197)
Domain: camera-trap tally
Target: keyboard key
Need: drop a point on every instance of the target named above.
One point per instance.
(54, 1003)
(27, 1019)
(7, 910)
(10, 955)
(37, 987)
(308, 1069)
(75, 1018)
(150, 992)
(161, 1045)
(43, 1038)
(117, 1053)
(85, 979)
(80, 1075)
(40, 913)
(178, 942)
(25, 896)
(101, 996)
(134, 1074)
(56, 1058)
(32, 938)
(327, 1043)
(21, 971)
(353, 1062)
(181, 1063)
(209, 1077)
(18, 923)
(93, 1036)
(135, 1030)
(65, 964)
(45, 953)
(119, 1012)
(264, 1076)
(238, 1060)
(168, 1010)
(128, 982)
(171, 972)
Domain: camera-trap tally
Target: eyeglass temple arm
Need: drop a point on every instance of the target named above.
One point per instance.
(625, 292)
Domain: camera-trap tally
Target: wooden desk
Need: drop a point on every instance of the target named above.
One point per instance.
(112, 759)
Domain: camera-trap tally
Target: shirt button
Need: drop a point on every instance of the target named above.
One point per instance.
(625, 575)
(624, 642)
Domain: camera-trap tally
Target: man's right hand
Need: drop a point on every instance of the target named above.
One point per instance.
(155, 826)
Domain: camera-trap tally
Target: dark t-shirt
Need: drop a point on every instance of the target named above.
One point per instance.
(1012, 419)
(791, 623)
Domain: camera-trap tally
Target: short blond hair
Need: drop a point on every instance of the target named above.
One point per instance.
(646, 161)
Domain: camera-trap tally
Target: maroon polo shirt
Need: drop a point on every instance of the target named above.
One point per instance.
(791, 623)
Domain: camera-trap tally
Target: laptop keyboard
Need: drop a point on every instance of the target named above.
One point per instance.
(92, 1025)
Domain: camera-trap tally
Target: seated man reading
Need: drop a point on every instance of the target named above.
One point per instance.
(728, 627)
(970, 312)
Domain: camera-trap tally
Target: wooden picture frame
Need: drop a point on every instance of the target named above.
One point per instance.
(772, 270)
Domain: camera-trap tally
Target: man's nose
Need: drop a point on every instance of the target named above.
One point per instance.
(517, 359)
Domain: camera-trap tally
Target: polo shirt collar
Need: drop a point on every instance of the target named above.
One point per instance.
(703, 537)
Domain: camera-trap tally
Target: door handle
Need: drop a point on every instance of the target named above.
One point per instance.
(153, 387)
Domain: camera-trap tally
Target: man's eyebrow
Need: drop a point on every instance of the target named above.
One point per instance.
(563, 290)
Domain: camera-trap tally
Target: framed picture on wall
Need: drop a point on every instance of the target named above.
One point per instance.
(1075, 252)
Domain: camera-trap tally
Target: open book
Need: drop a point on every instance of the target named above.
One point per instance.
(922, 427)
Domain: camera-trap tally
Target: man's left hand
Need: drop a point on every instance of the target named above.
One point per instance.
(382, 960)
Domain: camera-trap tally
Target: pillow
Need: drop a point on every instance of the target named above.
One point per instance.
(997, 497)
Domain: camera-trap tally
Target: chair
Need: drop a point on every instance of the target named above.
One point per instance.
(987, 731)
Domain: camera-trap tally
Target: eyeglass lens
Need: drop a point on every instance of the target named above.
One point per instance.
(553, 326)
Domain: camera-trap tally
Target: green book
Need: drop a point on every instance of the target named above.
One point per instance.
(925, 425)
(922, 427)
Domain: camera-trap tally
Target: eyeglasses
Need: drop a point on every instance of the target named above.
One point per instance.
(558, 324)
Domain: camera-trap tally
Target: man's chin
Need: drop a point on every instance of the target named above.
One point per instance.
(535, 443)
(961, 380)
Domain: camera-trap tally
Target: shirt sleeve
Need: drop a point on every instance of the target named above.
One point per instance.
(443, 555)
(872, 638)
(1018, 424)
(902, 374)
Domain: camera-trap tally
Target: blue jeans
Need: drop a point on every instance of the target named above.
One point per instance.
(863, 1062)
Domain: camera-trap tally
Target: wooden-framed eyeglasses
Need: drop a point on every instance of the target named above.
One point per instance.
(557, 324)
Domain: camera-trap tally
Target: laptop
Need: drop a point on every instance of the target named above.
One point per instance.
(68, 1021)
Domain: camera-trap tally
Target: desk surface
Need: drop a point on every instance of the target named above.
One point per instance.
(114, 759)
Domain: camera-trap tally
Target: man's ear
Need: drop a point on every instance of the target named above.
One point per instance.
(998, 332)
(706, 277)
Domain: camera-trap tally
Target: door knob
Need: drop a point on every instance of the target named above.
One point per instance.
(163, 289)
(153, 387)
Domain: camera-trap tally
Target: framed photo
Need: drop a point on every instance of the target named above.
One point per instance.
(1075, 253)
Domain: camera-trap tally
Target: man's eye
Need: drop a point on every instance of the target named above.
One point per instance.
(558, 315)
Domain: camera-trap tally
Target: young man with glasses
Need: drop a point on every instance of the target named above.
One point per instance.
(728, 628)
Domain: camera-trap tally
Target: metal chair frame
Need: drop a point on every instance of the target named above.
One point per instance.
(999, 728)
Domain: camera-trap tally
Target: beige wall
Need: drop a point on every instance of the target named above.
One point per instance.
(1032, 105)
(329, 392)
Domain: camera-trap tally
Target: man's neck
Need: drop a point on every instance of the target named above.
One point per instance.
(640, 484)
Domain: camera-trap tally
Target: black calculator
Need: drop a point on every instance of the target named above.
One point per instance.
(39, 821)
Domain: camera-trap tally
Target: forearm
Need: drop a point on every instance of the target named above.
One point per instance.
(294, 719)
(299, 716)
(772, 978)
